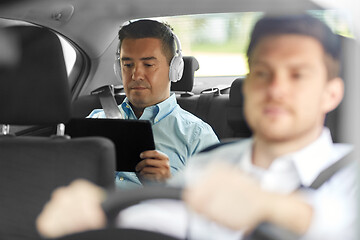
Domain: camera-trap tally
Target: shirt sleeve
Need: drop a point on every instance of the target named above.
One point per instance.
(204, 136)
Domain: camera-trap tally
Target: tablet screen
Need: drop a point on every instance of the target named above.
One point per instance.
(131, 137)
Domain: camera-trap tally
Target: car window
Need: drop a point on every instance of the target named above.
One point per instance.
(74, 60)
(69, 54)
(219, 41)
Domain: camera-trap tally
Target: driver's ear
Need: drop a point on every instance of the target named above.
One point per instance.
(333, 95)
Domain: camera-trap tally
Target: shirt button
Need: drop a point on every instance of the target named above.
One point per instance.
(121, 178)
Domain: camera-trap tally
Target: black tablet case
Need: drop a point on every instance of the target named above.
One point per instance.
(131, 137)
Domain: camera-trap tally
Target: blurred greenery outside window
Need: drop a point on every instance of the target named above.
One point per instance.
(219, 41)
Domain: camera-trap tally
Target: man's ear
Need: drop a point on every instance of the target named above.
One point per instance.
(333, 95)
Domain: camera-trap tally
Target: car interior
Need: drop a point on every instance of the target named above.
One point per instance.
(68, 54)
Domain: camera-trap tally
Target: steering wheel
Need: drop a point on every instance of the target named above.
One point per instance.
(122, 199)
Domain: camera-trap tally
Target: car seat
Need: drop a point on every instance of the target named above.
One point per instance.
(35, 91)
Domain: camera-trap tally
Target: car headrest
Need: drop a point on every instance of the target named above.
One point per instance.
(35, 89)
(236, 96)
(235, 114)
(186, 83)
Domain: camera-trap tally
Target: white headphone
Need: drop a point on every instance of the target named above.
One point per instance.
(176, 64)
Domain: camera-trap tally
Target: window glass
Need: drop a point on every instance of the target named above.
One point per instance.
(69, 54)
(338, 20)
(219, 41)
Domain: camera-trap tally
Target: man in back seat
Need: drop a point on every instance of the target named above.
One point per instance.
(149, 58)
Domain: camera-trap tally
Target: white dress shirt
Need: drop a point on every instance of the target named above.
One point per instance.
(334, 203)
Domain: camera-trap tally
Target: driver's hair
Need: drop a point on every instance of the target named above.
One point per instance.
(303, 25)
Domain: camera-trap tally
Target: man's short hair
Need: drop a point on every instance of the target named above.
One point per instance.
(303, 25)
(147, 28)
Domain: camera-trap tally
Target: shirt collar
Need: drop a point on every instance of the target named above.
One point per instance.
(316, 157)
(281, 176)
(298, 168)
(153, 113)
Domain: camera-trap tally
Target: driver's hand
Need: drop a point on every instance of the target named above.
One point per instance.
(71, 209)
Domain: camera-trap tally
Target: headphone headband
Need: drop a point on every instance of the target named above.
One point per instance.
(178, 50)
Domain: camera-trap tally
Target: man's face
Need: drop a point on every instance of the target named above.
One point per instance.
(287, 88)
(145, 71)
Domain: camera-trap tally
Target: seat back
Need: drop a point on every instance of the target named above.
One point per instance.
(186, 82)
(35, 92)
(235, 111)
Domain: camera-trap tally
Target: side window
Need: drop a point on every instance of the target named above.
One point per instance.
(69, 54)
(219, 42)
(74, 60)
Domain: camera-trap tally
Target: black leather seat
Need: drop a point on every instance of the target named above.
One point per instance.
(235, 111)
(36, 92)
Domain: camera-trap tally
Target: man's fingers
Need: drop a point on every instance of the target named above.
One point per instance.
(154, 166)
(153, 170)
(153, 154)
(155, 163)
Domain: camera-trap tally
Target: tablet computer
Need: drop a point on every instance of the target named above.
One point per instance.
(131, 137)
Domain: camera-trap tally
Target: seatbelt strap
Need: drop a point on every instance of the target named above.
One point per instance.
(108, 102)
(328, 172)
(268, 231)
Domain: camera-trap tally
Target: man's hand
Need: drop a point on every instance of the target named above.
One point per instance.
(232, 198)
(227, 196)
(155, 166)
(71, 209)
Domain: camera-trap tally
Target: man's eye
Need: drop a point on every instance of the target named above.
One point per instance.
(148, 65)
(261, 74)
(297, 75)
(127, 65)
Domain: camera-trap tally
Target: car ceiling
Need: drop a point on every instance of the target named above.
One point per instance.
(101, 19)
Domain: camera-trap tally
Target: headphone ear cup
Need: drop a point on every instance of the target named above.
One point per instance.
(117, 69)
(176, 68)
(117, 64)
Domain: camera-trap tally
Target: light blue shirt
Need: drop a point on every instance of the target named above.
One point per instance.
(177, 133)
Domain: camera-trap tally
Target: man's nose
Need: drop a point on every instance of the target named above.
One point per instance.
(278, 86)
(137, 73)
